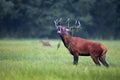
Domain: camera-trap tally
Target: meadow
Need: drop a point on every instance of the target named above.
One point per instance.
(29, 60)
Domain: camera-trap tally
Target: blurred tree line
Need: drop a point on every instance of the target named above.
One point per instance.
(34, 18)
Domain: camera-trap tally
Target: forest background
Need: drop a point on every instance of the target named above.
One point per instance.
(35, 18)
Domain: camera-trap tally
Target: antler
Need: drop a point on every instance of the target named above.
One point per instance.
(79, 25)
(57, 21)
(68, 23)
(76, 27)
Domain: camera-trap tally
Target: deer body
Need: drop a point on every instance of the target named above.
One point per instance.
(81, 47)
(45, 43)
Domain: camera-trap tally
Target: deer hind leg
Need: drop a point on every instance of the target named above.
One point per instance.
(103, 61)
(95, 59)
(76, 57)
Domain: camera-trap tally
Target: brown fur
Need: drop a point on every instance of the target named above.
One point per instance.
(45, 43)
(81, 47)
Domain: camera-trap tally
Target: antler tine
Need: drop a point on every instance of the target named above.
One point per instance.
(79, 25)
(57, 21)
(68, 22)
(75, 22)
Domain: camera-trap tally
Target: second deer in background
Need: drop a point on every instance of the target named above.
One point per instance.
(45, 43)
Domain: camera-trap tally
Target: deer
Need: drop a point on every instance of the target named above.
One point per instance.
(45, 43)
(78, 46)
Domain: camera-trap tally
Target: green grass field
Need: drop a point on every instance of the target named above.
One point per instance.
(29, 60)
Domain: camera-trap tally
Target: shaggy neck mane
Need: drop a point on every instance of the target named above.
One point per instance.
(66, 38)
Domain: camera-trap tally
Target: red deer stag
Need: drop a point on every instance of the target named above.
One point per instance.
(81, 47)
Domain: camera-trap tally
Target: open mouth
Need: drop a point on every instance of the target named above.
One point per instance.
(58, 31)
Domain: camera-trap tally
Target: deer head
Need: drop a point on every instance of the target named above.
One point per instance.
(64, 29)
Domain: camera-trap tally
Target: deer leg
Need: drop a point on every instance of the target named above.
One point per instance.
(75, 62)
(102, 59)
(95, 59)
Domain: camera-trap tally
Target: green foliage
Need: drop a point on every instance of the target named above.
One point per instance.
(34, 18)
(105, 16)
(29, 60)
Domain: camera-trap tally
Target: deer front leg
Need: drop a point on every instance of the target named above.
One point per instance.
(76, 57)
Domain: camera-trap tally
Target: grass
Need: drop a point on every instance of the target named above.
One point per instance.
(29, 60)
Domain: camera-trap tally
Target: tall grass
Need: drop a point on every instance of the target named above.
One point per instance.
(29, 60)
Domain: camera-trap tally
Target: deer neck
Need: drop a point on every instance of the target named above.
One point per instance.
(66, 38)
